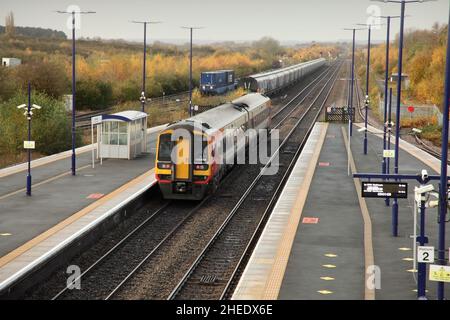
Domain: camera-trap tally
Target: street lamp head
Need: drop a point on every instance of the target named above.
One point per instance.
(35, 106)
(72, 12)
(146, 22)
(22, 106)
(194, 28)
(402, 1)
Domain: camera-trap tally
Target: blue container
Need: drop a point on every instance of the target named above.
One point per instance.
(217, 82)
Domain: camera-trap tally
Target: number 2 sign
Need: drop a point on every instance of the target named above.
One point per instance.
(425, 254)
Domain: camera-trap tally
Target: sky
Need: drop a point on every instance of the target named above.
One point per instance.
(239, 20)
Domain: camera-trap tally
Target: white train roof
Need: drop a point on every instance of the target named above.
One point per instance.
(221, 116)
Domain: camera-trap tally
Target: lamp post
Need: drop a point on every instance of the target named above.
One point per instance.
(191, 30)
(443, 196)
(144, 23)
(399, 93)
(29, 145)
(367, 100)
(386, 89)
(73, 14)
(352, 80)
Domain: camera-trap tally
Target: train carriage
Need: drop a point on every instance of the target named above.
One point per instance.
(276, 80)
(189, 156)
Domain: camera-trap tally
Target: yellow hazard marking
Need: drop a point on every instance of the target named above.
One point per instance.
(411, 270)
(325, 292)
(329, 266)
(439, 273)
(330, 255)
(408, 259)
(327, 278)
(5, 234)
(404, 249)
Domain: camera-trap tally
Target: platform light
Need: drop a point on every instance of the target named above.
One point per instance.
(191, 30)
(443, 209)
(144, 23)
(74, 14)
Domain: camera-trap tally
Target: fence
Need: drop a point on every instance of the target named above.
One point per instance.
(341, 114)
(419, 111)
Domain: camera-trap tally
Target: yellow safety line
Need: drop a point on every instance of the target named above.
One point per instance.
(42, 182)
(38, 239)
(369, 293)
(273, 284)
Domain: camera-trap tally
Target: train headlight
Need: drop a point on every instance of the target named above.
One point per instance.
(162, 165)
(201, 167)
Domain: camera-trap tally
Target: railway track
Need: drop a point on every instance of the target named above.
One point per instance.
(101, 279)
(284, 112)
(84, 120)
(213, 273)
(108, 276)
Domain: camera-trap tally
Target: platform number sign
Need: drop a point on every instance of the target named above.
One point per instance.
(425, 254)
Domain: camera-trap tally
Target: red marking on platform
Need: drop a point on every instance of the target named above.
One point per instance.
(324, 164)
(411, 109)
(310, 220)
(95, 196)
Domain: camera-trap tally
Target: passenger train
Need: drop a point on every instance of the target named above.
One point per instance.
(188, 156)
(186, 172)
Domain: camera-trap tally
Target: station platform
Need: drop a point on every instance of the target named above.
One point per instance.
(63, 207)
(323, 236)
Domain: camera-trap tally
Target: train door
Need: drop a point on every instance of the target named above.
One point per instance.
(183, 155)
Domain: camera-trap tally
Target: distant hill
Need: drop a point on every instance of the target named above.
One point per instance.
(37, 32)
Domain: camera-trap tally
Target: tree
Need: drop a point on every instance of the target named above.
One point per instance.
(268, 49)
(93, 95)
(9, 24)
(51, 125)
(48, 77)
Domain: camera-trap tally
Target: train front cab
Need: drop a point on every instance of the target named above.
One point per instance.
(189, 175)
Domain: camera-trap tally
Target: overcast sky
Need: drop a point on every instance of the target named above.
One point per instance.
(285, 20)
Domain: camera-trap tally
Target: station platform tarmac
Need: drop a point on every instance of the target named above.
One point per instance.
(326, 243)
(63, 206)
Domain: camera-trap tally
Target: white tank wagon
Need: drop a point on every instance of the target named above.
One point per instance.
(275, 80)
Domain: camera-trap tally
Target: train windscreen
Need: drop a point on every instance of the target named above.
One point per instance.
(165, 147)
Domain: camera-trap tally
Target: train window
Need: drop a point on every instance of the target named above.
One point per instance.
(165, 147)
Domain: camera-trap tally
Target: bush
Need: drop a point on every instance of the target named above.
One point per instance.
(7, 87)
(47, 77)
(93, 95)
(51, 127)
(129, 91)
